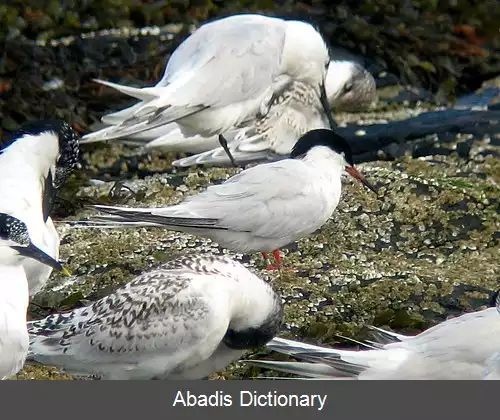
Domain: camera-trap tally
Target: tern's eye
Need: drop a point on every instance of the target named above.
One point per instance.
(348, 87)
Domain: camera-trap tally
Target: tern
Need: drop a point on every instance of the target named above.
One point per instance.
(33, 166)
(15, 248)
(226, 72)
(183, 320)
(465, 347)
(292, 113)
(262, 208)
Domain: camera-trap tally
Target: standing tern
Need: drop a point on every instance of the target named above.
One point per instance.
(226, 72)
(15, 248)
(35, 164)
(292, 113)
(183, 320)
(262, 208)
(465, 347)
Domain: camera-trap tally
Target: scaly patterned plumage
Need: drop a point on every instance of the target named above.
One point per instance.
(182, 320)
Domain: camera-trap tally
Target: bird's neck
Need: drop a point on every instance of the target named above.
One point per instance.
(325, 162)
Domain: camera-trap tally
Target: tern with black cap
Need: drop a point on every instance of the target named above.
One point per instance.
(15, 247)
(262, 208)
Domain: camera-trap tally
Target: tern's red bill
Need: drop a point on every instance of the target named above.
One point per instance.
(351, 170)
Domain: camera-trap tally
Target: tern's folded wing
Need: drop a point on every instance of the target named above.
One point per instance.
(146, 318)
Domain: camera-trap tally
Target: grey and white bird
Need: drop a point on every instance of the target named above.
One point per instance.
(465, 347)
(33, 166)
(262, 208)
(292, 113)
(183, 320)
(226, 72)
(15, 247)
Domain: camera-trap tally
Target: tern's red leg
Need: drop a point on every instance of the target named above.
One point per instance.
(277, 258)
(268, 262)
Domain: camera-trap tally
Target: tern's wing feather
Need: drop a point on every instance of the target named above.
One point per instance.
(148, 319)
(258, 200)
(457, 338)
(150, 117)
(227, 61)
(219, 65)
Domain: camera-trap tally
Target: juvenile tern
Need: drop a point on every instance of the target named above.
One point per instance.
(33, 166)
(226, 72)
(15, 248)
(262, 208)
(459, 348)
(292, 113)
(183, 320)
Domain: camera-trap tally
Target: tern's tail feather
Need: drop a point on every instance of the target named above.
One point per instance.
(144, 94)
(304, 369)
(122, 217)
(385, 336)
(107, 222)
(154, 111)
(99, 135)
(46, 334)
(332, 362)
(120, 116)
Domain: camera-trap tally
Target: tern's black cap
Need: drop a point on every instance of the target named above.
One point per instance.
(322, 137)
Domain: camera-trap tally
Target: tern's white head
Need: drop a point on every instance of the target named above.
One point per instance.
(15, 244)
(257, 312)
(336, 145)
(349, 86)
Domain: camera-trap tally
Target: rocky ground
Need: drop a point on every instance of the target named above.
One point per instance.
(425, 249)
